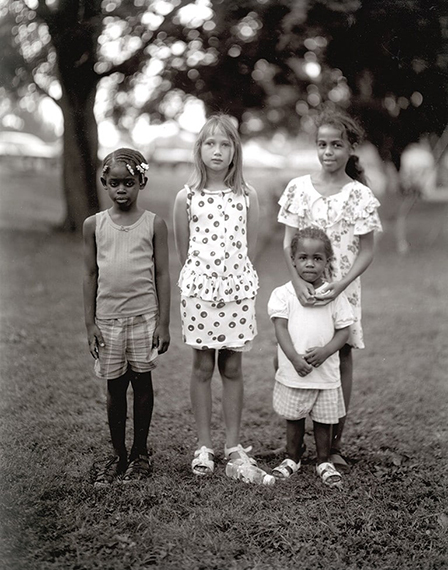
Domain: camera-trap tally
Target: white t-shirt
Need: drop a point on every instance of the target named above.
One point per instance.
(309, 327)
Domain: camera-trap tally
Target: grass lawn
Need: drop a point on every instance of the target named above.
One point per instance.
(392, 512)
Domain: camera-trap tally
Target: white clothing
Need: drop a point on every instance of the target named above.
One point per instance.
(309, 327)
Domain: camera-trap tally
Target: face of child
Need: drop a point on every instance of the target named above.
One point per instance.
(310, 260)
(333, 149)
(122, 186)
(217, 151)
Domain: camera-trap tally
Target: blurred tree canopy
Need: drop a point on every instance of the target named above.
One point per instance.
(270, 63)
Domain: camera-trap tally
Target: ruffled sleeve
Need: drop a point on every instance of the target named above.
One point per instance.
(364, 210)
(293, 204)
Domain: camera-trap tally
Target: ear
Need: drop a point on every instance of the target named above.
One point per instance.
(103, 182)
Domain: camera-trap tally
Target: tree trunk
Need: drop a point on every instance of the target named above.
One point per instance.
(80, 154)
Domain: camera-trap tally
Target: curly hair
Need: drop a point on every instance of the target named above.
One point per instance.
(352, 131)
(313, 232)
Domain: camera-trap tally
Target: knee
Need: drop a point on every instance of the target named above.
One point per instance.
(231, 370)
(203, 370)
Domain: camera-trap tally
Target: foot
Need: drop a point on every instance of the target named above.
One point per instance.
(111, 470)
(138, 469)
(286, 468)
(329, 475)
(239, 452)
(204, 461)
(338, 460)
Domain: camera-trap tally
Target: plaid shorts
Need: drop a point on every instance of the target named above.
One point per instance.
(323, 406)
(129, 341)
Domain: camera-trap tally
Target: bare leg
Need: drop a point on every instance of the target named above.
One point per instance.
(229, 364)
(201, 394)
(143, 407)
(295, 432)
(322, 436)
(346, 368)
(116, 413)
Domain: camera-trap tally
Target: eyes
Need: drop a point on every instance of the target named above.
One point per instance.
(316, 258)
(115, 182)
(212, 143)
(337, 144)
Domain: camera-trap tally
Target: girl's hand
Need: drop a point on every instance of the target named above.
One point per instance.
(301, 365)
(316, 356)
(95, 339)
(304, 292)
(328, 293)
(161, 338)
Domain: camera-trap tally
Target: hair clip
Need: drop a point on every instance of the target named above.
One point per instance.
(131, 170)
(142, 167)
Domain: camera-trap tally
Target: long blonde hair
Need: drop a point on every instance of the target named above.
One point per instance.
(234, 178)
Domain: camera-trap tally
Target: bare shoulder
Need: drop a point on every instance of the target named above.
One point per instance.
(89, 226)
(159, 224)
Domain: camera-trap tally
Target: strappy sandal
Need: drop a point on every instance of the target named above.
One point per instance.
(329, 475)
(202, 464)
(242, 453)
(112, 469)
(286, 468)
(138, 469)
(338, 461)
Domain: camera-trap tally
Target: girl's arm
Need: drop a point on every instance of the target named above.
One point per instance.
(361, 263)
(284, 340)
(90, 285)
(253, 217)
(163, 286)
(181, 226)
(304, 290)
(317, 355)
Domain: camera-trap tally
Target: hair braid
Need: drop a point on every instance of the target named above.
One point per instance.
(133, 159)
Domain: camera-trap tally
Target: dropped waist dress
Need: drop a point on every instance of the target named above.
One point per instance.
(218, 282)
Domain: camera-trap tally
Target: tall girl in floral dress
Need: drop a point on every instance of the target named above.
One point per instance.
(336, 200)
(215, 226)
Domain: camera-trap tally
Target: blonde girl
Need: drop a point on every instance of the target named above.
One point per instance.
(215, 226)
(336, 200)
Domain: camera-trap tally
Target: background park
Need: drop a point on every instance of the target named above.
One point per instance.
(88, 76)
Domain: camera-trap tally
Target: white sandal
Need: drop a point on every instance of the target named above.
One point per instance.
(242, 452)
(202, 464)
(286, 468)
(329, 475)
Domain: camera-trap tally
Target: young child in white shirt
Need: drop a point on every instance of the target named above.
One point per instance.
(308, 380)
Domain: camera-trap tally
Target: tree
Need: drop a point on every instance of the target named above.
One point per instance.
(56, 48)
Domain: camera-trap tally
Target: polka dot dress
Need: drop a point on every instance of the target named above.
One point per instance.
(218, 283)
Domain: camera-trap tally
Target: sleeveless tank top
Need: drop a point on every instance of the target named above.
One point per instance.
(125, 259)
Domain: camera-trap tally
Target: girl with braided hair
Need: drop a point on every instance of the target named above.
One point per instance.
(336, 200)
(127, 304)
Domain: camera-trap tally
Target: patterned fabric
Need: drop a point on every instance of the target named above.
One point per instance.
(128, 341)
(218, 276)
(323, 406)
(344, 217)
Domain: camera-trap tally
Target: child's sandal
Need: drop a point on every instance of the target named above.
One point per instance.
(138, 469)
(338, 461)
(242, 453)
(329, 475)
(203, 462)
(286, 468)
